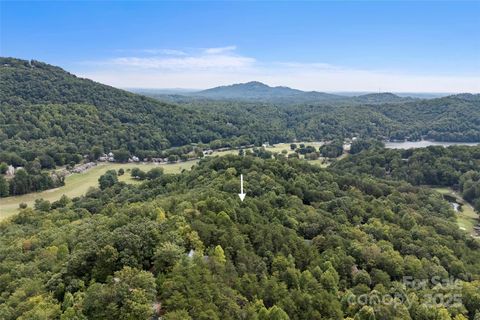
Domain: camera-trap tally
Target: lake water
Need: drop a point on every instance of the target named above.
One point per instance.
(423, 144)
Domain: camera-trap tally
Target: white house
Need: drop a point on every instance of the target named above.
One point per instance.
(10, 171)
(103, 158)
(134, 159)
(207, 152)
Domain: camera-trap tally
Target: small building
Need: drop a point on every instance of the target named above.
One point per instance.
(266, 144)
(207, 152)
(103, 158)
(10, 171)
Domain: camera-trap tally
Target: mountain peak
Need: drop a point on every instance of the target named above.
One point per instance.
(381, 97)
(466, 96)
(380, 94)
(253, 83)
(259, 91)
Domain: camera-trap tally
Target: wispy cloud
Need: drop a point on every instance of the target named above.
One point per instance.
(308, 66)
(207, 67)
(220, 50)
(198, 62)
(210, 58)
(150, 51)
(170, 52)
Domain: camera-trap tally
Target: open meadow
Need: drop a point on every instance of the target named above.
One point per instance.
(78, 183)
(467, 218)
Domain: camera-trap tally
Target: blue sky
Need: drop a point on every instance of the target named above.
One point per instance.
(430, 46)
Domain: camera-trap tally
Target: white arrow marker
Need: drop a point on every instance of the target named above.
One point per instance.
(241, 194)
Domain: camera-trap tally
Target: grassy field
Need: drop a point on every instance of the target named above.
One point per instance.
(319, 162)
(279, 147)
(77, 184)
(276, 148)
(444, 190)
(467, 218)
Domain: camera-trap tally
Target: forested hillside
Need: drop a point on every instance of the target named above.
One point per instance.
(45, 108)
(47, 111)
(257, 91)
(456, 166)
(384, 115)
(452, 118)
(51, 118)
(307, 243)
(236, 160)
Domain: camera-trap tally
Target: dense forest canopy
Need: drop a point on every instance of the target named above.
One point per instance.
(452, 118)
(255, 91)
(456, 166)
(44, 105)
(51, 118)
(307, 243)
(47, 111)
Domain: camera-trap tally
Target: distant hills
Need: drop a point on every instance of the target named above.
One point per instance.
(46, 112)
(257, 91)
(383, 97)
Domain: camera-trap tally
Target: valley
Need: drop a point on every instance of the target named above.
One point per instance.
(239, 160)
(77, 184)
(324, 223)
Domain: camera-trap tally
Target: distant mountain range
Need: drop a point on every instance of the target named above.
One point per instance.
(258, 91)
(255, 90)
(382, 97)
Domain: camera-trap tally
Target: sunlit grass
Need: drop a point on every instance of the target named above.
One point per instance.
(77, 184)
(467, 218)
